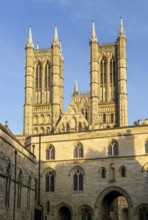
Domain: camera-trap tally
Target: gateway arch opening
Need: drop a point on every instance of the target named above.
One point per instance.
(64, 213)
(114, 207)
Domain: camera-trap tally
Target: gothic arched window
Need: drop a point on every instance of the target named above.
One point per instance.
(146, 146)
(79, 126)
(123, 171)
(78, 151)
(38, 76)
(29, 193)
(50, 181)
(8, 185)
(103, 172)
(47, 75)
(36, 119)
(48, 130)
(143, 213)
(20, 184)
(86, 215)
(67, 128)
(112, 118)
(50, 153)
(103, 71)
(78, 180)
(113, 148)
(112, 70)
(42, 130)
(104, 118)
(35, 130)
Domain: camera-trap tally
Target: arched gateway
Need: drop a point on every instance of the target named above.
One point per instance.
(113, 204)
(64, 213)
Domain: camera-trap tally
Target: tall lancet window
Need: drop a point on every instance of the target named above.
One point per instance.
(20, 184)
(103, 71)
(39, 76)
(112, 78)
(112, 71)
(103, 79)
(8, 184)
(47, 75)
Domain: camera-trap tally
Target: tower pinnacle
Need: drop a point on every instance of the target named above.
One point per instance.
(121, 30)
(61, 51)
(93, 33)
(76, 90)
(30, 41)
(37, 46)
(56, 38)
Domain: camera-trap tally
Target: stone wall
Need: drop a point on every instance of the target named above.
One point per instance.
(17, 192)
(131, 155)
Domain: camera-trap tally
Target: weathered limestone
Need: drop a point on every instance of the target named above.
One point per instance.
(19, 186)
(90, 164)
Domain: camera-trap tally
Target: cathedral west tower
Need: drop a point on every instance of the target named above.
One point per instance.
(104, 107)
(43, 87)
(108, 92)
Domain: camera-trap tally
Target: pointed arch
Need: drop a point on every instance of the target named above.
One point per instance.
(104, 118)
(35, 130)
(50, 180)
(103, 71)
(35, 119)
(67, 127)
(20, 184)
(108, 190)
(29, 193)
(142, 211)
(39, 75)
(78, 180)
(8, 184)
(122, 171)
(78, 150)
(63, 205)
(42, 130)
(50, 153)
(47, 75)
(48, 130)
(102, 172)
(113, 148)
(85, 212)
(79, 126)
(75, 168)
(42, 119)
(112, 118)
(112, 70)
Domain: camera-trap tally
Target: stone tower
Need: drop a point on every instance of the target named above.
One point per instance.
(108, 92)
(43, 87)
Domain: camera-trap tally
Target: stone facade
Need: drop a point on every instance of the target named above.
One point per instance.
(90, 165)
(17, 178)
(98, 190)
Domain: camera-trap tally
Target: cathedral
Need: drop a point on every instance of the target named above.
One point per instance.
(86, 163)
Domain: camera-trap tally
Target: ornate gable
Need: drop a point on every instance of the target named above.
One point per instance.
(72, 120)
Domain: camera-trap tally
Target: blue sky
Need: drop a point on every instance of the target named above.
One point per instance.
(73, 18)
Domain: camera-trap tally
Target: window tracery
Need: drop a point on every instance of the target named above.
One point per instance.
(78, 151)
(113, 148)
(50, 181)
(78, 180)
(50, 153)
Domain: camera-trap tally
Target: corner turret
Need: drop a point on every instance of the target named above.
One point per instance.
(30, 41)
(76, 90)
(122, 78)
(94, 78)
